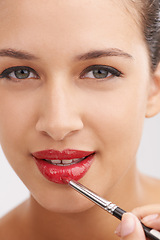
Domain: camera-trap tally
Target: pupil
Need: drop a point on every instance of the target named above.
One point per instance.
(22, 74)
(100, 73)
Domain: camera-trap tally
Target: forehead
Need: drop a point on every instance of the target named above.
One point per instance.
(56, 10)
(67, 23)
(11, 7)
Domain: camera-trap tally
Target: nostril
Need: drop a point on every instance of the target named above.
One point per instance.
(58, 131)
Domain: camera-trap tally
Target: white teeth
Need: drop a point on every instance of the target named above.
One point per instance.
(77, 159)
(56, 161)
(69, 161)
(65, 162)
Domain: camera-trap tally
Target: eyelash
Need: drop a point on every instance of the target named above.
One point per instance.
(6, 73)
(112, 72)
(107, 70)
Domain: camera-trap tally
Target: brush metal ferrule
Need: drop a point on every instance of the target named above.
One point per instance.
(103, 203)
(110, 207)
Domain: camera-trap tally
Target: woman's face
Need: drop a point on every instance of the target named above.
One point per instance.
(83, 86)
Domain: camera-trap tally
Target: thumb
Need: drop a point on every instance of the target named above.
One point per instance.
(130, 228)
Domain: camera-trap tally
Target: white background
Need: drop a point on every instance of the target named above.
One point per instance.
(12, 190)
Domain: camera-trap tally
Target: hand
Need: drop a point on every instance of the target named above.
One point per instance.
(149, 215)
(130, 227)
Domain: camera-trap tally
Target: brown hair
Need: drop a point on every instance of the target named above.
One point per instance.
(150, 15)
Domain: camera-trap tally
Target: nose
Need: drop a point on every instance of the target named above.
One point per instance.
(59, 113)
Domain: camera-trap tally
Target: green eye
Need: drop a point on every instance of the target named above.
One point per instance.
(100, 72)
(21, 74)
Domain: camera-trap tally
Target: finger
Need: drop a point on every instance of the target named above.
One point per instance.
(141, 212)
(152, 221)
(149, 215)
(130, 228)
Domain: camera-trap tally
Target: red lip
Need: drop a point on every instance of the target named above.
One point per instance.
(56, 173)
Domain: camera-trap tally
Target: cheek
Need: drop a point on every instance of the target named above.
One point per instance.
(17, 130)
(117, 119)
(16, 119)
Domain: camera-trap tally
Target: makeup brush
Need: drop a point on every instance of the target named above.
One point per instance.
(110, 207)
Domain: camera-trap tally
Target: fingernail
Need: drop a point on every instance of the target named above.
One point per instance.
(149, 218)
(118, 230)
(127, 225)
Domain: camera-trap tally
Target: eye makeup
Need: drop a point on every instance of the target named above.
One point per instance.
(19, 73)
(100, 72)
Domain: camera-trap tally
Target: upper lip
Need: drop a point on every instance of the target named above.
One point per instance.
(66, 154)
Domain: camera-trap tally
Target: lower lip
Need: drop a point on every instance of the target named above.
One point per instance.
(62, 174)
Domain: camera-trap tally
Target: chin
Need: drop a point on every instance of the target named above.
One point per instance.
(67, 202)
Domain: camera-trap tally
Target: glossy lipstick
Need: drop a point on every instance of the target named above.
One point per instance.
(69, 164)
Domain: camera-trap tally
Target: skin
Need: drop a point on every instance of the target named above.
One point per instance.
(63, 108)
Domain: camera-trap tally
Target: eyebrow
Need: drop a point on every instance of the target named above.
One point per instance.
(111, 52)
(17, 54)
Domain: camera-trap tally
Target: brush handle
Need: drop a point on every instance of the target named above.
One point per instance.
(149, 232)
(110, 207)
